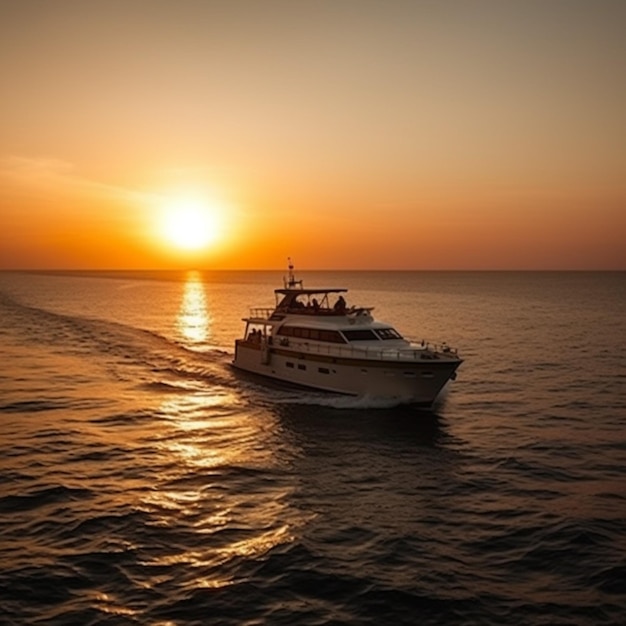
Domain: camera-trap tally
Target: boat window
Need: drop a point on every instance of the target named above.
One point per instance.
(388, 333)
(301, 366)
(331, 336)
(362, 334)
(323, 370)
(289, 364)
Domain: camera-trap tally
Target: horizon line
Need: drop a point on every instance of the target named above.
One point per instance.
(207, 269)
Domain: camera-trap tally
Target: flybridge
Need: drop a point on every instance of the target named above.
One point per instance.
(291, 301)
(293, 289)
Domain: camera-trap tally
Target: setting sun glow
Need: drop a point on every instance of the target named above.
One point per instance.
(189, 223)
(353, 135)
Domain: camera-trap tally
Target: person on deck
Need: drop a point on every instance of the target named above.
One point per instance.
(340, 305)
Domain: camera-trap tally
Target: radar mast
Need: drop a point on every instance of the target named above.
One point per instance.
(290, 282)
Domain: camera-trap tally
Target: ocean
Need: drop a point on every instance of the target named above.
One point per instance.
(144, 481)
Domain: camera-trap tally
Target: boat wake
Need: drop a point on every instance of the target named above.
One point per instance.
(343, 402)
(141, 357)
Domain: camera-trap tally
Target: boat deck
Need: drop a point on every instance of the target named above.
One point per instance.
(426, 352)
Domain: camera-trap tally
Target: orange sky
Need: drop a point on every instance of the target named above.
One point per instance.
(474, 134)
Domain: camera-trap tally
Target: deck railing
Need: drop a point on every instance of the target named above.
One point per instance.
(423, 352)
(266, 313)
(263, 313)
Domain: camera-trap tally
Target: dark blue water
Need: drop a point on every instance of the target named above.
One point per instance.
(142, 481)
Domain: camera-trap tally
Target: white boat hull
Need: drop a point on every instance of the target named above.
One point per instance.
(414, 381)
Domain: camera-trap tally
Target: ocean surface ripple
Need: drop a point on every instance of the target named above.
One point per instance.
(143, 481)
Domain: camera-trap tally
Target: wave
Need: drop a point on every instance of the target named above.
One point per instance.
(34, 406)
(129, 353)
(42, 497)
(341, 402)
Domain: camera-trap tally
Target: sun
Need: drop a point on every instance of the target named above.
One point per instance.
(189, 223)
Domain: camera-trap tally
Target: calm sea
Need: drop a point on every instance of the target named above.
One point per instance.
(143, 481)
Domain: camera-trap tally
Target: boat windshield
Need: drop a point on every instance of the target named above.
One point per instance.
(365, 334)
(388, 333)
(360, 334)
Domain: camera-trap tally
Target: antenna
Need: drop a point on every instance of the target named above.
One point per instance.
(292, 282)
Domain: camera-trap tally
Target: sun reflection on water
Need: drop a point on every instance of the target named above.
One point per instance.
(221, 496)
(193, 321)
(215, 491)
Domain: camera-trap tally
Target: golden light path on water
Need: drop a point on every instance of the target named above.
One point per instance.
(204, 449)
(213, 445)
(193, 321)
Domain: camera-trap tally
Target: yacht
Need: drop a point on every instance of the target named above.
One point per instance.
(312, 338)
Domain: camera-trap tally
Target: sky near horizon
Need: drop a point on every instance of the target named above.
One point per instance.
(347, 134)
